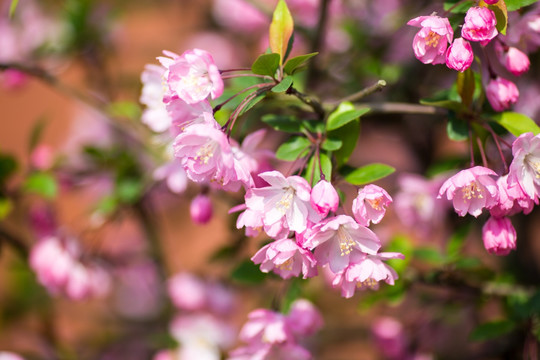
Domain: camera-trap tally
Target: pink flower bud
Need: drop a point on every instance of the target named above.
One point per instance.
(515, 60)
(479, 25)
(501, 93)
(201, 209)
(324, 198)
(499, 236)
(430, 42)
(41, 157)
(491, 2)
(459, 55)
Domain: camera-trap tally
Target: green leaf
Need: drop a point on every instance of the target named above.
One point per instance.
(492, 330)
(107, 205)
(459, 9)
(124, 109)
(43, 184)
(465, 86)
(5, 207)
(248, 273)
(13, 7)
(429, 255)
(348, 134)
(129, 190)
(281, 29)
(516, 123)
(314, 166)
(445, 104)
(331, 144)
(293, 292)
(293, 148)
(251, 104)
(284, 85)
(513, 5)
(344, 114)
(457, 129)
(8, 166)
(326, 166)
(266, 64)
(501, 14)
(283, 123)
(369, 173)
(296, 62)
(455, 244)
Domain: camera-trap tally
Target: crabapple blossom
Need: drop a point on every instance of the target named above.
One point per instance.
(501, 93)
(174, 175)
(201, 209)
(265, 326)
(525, 167)
(513, 59)
(192, 76)
(512, 199)
(365, 271)
(370, 204)
(431, 41)
(155, 114)
(284, 205)
(240, 16)
(491, 2)
(304, 319)
(187, 292)
(5, 355)
(390, 338)
(263, 351)
(254, 160)
(182, 114)
(471, 190)
(336, 240)
(42, 157)
(286, 259)
(480, 25)
(499, 236)
(459, 55)
(324, 198)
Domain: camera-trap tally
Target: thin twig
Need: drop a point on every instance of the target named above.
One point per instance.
(219, 106)
(482, 153)
(308, 100)
(378, 86)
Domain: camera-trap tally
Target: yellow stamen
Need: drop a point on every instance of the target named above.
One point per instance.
(346, 242)
(472, 191)
(432, 39)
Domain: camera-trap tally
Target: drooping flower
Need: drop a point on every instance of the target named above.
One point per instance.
(286, 258)
(480, 25)
(370, 204)
(192, 76)
(337, 239)
(324, 198)
(284, 205)
(365, 271)
(499, 236)
(513, 59)
(525, 167)
(501, 93)
(471, 190)
(512, 199)
(431, 41)
(200, 209)
(459, 55)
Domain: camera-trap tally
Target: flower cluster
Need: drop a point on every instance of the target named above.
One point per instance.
(271, 335)
(319, 237)
(434, 44)
(472, 190)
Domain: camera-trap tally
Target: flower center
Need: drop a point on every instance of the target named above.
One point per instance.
(534, 163)
(346, 242)
(368, 283)
(375, 203)
(286, 266)
(472, 191)
(286, 200)
(432, 39)
(205, 153)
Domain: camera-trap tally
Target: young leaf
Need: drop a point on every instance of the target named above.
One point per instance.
(283, 123)
(281, 30)
(292, 148)
(326, 166)
(296, 62)
(513, 5)
(368, 174)
(13, 7)
(266, 64)
(42, 184)
(492, 330)
(516, 123)
(316, 166)
(501, 14)
(344, 114)
(283, 85)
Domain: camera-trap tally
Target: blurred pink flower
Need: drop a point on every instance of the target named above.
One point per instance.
(174, 175)
(241, 16)
(304, 319)
(201, 209)
(155, 114)
(42, 157)
(460, 55)
(183, 115)
(430, 42)
(5, 355)
(187, 292)
(265, 326)
(513, 59)
(286, 258)
(499, 236)
(471, 190)
(480, 25)
(525, 167)
(390, 338)
(370, 204)
(501, 93)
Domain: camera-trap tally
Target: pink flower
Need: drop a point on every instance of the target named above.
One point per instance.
(304, 319)
(390, 338)
(365, 271)
(370, 204)
(155, 115)
(491, 2)
(513, 59)
(430, 42)
(174, 175)
(205, 154)
(5, 355)
(201, 209)
(480, 25)
(182, 114)
(525, 167)
(187, 292)
(42, 157)
(264, 351)
(499, 236)
(253, 160)
(337, 239)
(192, 76)
(286, 259)
(501, 93)
(512, 199)
(459, 55)
(471, 190)
(324, 198)
(240, 16)
(265, 326)
(284, 205)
